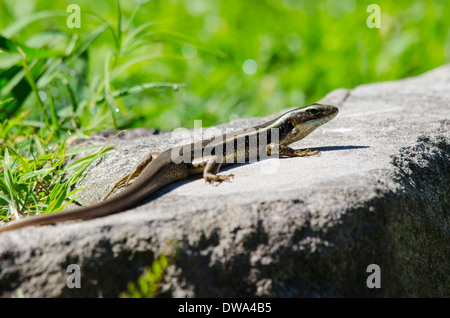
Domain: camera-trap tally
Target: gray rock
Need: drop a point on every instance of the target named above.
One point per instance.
(378, 194)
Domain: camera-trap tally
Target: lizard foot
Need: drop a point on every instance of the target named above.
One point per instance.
(210, 178)
(307, 152)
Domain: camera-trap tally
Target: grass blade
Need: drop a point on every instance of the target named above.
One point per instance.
(23, 22)
(12, 46)
(141, 87)
(109, 98)
(138, 59)
(32, 83)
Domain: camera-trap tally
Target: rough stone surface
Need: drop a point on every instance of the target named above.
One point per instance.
(378, 194)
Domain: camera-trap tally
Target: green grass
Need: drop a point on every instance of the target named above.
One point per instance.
(35, 179)
(47, 104)
(148, 284)
(119, 70)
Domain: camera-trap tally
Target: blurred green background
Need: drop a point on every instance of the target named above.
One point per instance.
(237, 58)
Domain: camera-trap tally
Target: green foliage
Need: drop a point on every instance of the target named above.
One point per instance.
(59, 80)
(148, 283)
(46, 102)
(303, 49)
(35, 179)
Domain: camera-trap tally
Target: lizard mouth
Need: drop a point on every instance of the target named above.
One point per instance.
(334, 111)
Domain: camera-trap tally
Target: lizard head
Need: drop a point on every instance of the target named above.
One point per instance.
(300, 122)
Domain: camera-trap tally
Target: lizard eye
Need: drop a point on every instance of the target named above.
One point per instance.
(313, 111)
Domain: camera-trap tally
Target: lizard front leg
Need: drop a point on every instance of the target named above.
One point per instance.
(134, 173)
(289, 152)
(211, 166)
